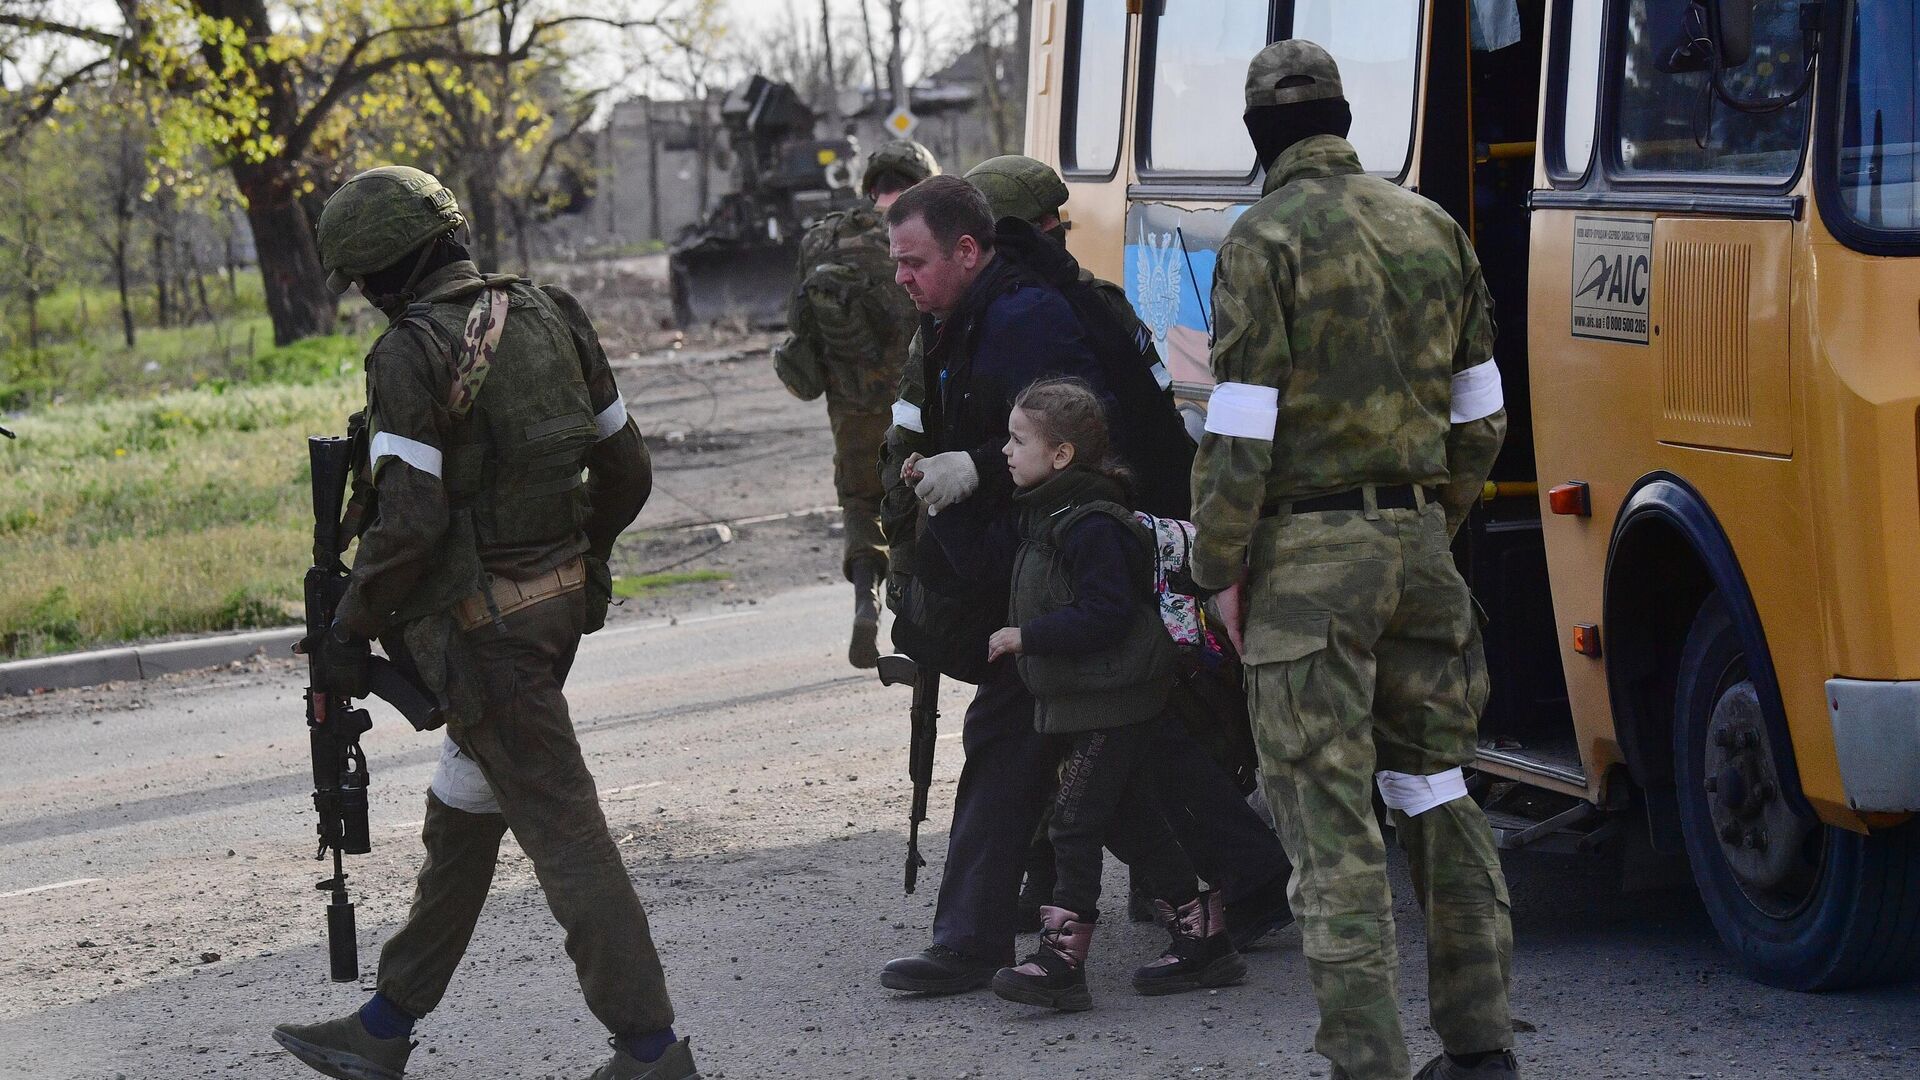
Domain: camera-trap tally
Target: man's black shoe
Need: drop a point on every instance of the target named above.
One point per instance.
(1251, 918)
(938, 970)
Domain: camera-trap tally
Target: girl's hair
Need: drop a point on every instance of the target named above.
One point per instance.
(1068, 411)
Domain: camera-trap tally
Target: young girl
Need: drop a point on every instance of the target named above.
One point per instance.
(1089, 644)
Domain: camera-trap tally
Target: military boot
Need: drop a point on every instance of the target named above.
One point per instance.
(1055, 976)
(675, 1064)
(1500, 1066)
(1199, 953)
(864, 650)
(344, 1049)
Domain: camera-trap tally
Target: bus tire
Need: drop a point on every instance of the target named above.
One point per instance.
(1802, 905)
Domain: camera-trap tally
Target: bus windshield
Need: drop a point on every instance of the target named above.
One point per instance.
(1879, 120)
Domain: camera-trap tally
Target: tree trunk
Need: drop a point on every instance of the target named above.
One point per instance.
(296, 287)
(483, 210)
(896, 59)
(873, 52)
(653, 173)
(120, 280)
(826, 48)
(162, 301)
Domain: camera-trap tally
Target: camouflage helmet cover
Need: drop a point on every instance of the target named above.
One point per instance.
(903, 158)
(379, 216)
(1019, 186)
(1292, 71)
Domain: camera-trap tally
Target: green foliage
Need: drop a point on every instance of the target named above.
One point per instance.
(185, 512)
(628, 587)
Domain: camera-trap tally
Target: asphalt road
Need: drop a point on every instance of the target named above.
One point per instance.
(157, 914)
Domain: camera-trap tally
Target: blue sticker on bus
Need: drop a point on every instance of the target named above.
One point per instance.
(1168, 275)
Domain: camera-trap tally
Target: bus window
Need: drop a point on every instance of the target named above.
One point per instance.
(1376, 44)
(1579, 35)
(1200, 54)
(1880, 129)
(1096, 47)
(1672, 123)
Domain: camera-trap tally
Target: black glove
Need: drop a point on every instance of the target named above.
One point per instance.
(342, 661)
(599, 593)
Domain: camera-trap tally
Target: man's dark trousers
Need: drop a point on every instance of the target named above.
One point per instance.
(1228, 843)
(1006, 781)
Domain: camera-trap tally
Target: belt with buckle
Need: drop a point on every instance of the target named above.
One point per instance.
(1385, 497)
(510, 596)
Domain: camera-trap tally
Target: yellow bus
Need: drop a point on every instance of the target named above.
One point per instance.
(1700, 556)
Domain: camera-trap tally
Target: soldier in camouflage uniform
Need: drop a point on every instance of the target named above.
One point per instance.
(484, 562)
(1356, 414)
(849, 328)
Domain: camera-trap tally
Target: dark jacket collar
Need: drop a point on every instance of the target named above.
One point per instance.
(1072, 486)
(1314, 157)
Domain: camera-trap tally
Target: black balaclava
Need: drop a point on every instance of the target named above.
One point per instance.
(391, 288)
(1274, 128)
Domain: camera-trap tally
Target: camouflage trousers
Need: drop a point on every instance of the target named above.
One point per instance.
(857, 438)
(534, 781)
(1363, 654)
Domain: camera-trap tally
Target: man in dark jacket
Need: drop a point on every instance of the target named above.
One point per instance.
(1231, 847)
(990, 327)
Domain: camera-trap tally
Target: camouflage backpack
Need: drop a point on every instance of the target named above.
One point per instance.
(849, 322)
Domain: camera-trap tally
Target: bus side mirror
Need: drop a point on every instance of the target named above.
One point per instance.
(1707, 28)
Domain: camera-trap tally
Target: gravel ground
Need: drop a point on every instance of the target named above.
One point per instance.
(756, 785)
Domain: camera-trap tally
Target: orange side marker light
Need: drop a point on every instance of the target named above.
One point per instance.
(1570, 499)
(1586, 639)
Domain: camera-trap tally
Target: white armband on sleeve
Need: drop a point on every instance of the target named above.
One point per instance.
(907, 415)
(1243, 411)
(611, 419)
(1476, 393)
(417, 454)
(1415, 795)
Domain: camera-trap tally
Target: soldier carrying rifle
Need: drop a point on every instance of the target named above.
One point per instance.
(483, 561)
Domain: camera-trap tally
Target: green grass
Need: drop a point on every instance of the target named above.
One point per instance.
(629, 587)
(188, 511)
(76, 312)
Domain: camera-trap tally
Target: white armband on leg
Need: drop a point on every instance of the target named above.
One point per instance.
(1243, 411)
(1476, 393)
(611, 419)
(907, 415)
(1415, 795)
(415, 453)
(459, 783)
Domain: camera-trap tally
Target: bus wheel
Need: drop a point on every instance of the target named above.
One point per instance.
(1801, 904)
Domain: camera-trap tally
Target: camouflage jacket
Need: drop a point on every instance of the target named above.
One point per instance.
(1357, 302)
(849, 322)
(409, 380)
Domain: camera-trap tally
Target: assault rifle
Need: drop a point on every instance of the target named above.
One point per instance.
(925, 680)
(334, 726)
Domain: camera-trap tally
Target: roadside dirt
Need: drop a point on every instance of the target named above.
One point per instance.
(743, 474)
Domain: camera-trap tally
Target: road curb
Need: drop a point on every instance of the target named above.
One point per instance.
(133, 662)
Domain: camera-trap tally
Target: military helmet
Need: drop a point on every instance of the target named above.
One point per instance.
(1291, 71)
(379, 216)
(903, 158)
(1018, 186)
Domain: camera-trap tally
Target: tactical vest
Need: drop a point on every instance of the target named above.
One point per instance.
(849, 317)
(1122, 685)
(512, 467)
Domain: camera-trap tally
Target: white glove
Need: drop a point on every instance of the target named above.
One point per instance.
(946, 479)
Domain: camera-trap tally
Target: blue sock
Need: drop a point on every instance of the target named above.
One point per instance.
(383, 1019)
(650, 1046)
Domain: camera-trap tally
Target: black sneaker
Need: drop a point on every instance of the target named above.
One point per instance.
(938, 970)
